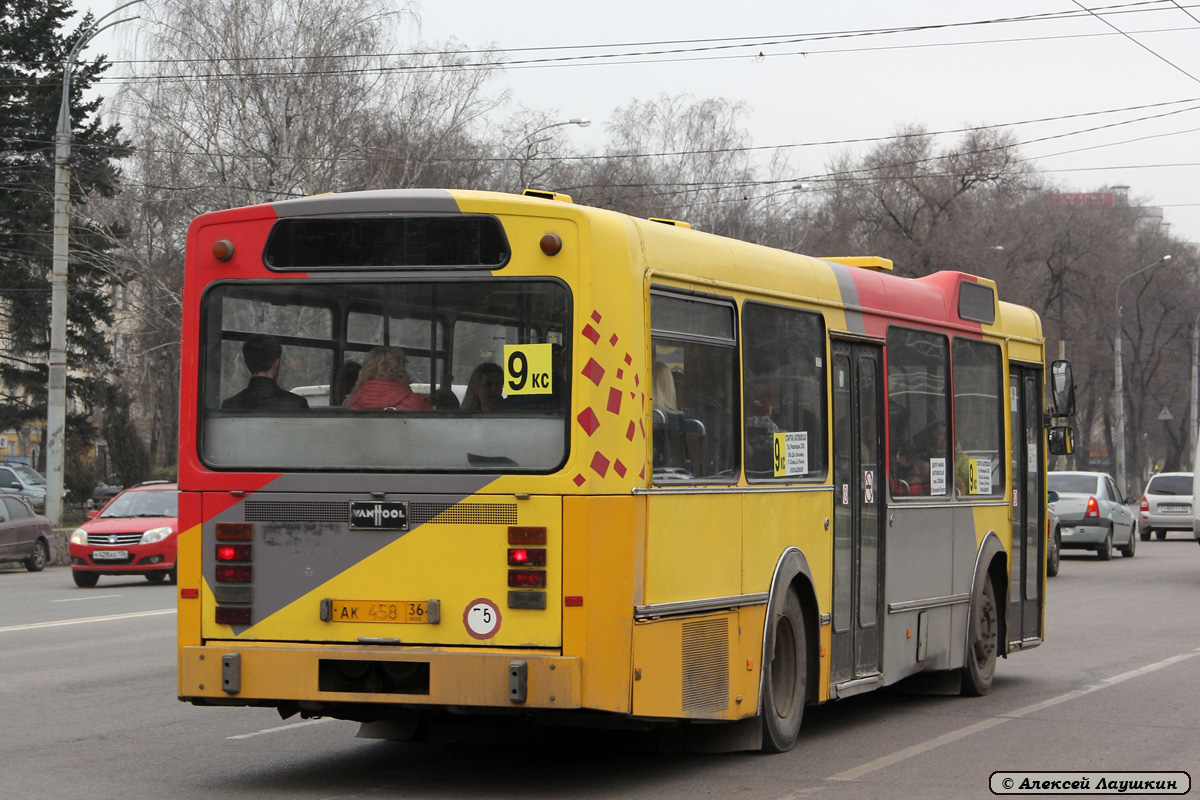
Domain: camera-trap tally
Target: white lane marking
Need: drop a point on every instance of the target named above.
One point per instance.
(953, 736)
(265, 731)
(89, 597)
(85, 620)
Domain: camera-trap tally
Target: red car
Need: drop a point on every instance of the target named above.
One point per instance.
(134, 534)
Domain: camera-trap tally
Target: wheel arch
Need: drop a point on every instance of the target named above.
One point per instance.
(992, 562)
(792, 571)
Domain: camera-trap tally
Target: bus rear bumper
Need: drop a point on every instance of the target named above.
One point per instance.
(239, 673)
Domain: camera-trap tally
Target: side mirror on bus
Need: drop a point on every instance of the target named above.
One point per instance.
(1062, 389)
(1062, 440)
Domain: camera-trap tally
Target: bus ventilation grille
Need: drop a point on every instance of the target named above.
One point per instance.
(418, 513)
(706, 665)
(464, 513)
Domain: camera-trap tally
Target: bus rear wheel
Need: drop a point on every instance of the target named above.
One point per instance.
(983, 640)
(785, 679)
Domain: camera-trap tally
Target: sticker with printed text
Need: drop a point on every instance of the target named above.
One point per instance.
(528, 368)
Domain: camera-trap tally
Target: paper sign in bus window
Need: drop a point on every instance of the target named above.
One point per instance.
(937, 476)
(528, 368)
(791, 454)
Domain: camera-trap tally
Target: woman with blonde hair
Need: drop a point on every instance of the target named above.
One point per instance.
(663, 392)
(384, 384)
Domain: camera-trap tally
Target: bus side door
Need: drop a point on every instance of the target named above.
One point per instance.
(858, 512)
(1028, 501)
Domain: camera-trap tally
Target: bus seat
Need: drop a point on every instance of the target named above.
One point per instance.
(695, 439)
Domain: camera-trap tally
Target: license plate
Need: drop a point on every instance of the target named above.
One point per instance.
(1174, 509)
(101, 555)
(394, 611)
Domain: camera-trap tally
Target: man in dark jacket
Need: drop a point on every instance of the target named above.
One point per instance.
(261, 354)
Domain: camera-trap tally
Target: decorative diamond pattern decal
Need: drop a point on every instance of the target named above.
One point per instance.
(587, 420)
(593, 371)
(613, 444)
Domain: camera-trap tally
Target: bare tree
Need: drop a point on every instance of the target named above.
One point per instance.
(674, 157)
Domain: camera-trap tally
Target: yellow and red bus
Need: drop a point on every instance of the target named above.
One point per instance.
(638, 474)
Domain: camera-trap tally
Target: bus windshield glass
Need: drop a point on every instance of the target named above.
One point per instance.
(386, 375)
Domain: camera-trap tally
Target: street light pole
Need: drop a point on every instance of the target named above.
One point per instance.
(754, 201)
(56, 395)
(1118, 379)
(582, 122)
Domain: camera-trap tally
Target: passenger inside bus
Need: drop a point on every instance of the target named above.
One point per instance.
(668, 420)
(384, 384)
(262, 355)
(485, 388)
(347, 377)
(761, 428)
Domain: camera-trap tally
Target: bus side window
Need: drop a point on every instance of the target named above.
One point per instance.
(917, 385)
(784, 388)
(978, 418)
(693, 389)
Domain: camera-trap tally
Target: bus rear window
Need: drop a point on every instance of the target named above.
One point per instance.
(369, 376)
(334, 243)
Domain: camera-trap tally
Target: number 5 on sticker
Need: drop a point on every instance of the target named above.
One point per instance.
(527, 368)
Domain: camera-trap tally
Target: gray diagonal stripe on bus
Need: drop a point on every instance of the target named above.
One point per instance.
(845, 280)
(302, 556)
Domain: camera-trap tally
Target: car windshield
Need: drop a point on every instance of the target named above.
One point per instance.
(1073, 483)
(146, 503)
(29, 476)
(1170, 484)
(467, 375)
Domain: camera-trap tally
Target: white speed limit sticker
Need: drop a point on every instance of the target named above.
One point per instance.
(482, 618)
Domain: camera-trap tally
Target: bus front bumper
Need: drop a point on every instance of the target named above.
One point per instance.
(240, 673)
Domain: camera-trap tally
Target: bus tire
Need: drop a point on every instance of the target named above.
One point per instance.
(983, 641)
(785, 676)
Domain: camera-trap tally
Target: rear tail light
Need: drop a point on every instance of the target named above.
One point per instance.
(1093, 508)
(235, 573)
(1145, 504)
(234, 552)
(527, 578)
(233, 615)
(518, 534)
(531, 561)
(526, 557)
(234, 531)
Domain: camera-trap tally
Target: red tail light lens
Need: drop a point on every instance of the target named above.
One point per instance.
(231, 573)
(527, 579)
(1145, 504)
(518, 534)
(1093, 508)
(234, 531)
(234, 552)
(526, 557)
(233, 615)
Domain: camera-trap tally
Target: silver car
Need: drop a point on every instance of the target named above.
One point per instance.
(1166, 505)
(1092, 514)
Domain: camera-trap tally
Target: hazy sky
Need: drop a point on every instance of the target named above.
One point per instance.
(803, 88)
(1124, 87)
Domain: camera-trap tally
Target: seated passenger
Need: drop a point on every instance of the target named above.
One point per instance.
(261, 354)
(347, 378)
(485, 388)
(384, 384)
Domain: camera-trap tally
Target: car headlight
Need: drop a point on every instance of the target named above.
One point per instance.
(156, 535)
(79, 536)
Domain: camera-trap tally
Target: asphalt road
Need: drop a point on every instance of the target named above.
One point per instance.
(87, 686)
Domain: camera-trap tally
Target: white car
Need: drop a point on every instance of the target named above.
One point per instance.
(1166, 505)
(1092, 514)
